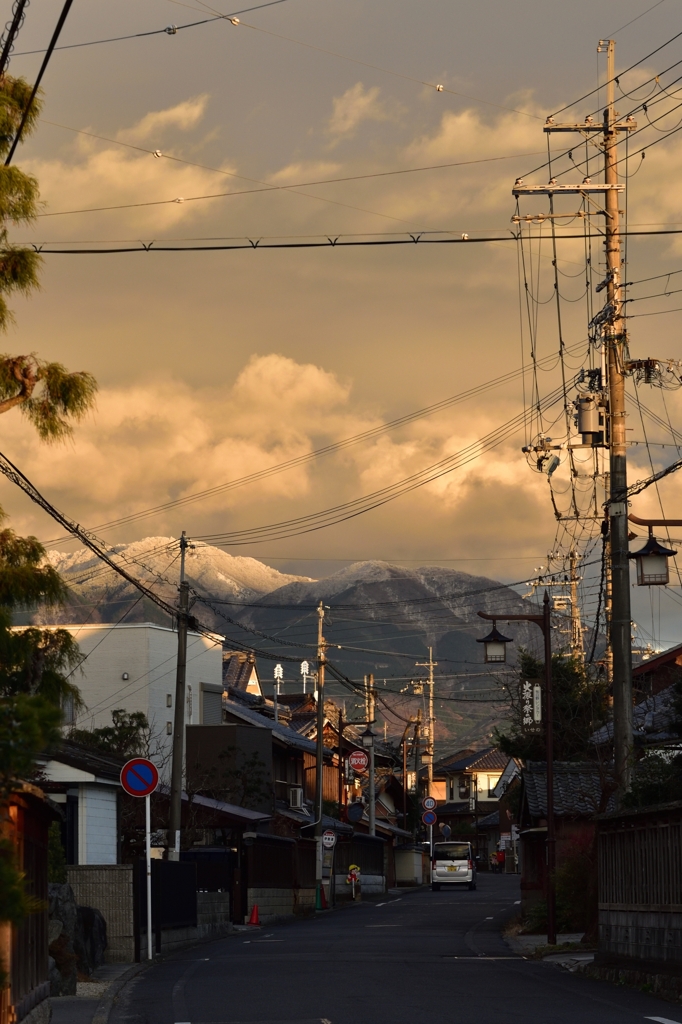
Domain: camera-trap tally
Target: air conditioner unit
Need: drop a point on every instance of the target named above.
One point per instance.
(296, 796)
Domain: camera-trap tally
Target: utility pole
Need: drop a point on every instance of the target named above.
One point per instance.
(179, 716)
(577, 649)
(431, 727)
(615, 339)
(615, 354)
(319, 763)
(370, 706)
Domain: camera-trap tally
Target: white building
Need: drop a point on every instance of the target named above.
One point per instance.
(133, 666)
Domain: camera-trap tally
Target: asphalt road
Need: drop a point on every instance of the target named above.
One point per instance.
(411, 959)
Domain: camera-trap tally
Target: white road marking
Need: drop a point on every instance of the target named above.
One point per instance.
(663, 1020)
(382, 926)
(488, 918)
(395, 901)
(379, 904)
(517, 903)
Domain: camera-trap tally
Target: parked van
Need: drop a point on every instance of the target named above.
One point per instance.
(452, 864)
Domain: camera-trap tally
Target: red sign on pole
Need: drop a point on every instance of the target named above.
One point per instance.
(359, 760)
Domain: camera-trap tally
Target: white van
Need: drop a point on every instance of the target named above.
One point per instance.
(452, 864)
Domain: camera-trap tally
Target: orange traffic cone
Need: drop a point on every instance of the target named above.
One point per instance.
(254, 916)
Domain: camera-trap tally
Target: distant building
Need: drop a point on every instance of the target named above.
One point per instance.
(133, 666)
(239, 671)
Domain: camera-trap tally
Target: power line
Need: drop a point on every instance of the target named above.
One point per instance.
(170, 30)
(366, 435)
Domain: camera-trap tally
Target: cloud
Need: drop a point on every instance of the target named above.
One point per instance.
(96, 175)
(183, 115)
(356, 105)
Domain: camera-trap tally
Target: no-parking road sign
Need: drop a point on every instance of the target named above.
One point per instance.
(429, 817)
(139, 777)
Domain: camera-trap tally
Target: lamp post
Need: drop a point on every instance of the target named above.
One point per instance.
(496, 652)
(279, 674)
(652, 559)
(367, 738)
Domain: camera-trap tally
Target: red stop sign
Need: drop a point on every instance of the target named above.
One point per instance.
(359, 760)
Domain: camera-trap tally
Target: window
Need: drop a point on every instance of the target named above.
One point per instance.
(451, 789)
(169, 700)
(169, 728)
(492, 783)
(464, 787)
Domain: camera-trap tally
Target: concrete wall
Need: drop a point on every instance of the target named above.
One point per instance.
(109, 889)
(147, 654)
(408, 867)
(97, 834)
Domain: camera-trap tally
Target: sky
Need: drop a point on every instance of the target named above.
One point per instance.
(213, 365)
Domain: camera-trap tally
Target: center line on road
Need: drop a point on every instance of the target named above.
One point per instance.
(663, 1020)
(488, 918)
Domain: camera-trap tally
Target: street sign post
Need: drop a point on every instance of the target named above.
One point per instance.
(429, 817)
(358, 760)
(329, 839)
(429, 803)
(140, 777)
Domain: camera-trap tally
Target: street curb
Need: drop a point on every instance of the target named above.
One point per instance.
(106, 1003)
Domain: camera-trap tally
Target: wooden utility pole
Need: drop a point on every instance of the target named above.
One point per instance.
(179, 716)
(615, 339)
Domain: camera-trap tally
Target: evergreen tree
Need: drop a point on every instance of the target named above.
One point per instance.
(36, 665)
(580, 706)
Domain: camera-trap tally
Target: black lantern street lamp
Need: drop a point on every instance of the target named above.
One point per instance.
(497, 645)
(495, 649)
(367, 738)
(652, 559)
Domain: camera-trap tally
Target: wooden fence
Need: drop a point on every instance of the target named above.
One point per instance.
(640, 885)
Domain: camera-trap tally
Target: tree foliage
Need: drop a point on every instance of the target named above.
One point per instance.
(128, 735)
(580, 706)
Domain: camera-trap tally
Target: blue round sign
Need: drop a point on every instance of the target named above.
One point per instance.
(139, 776)
(429, 817)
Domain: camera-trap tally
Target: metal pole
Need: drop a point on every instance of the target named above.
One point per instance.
(148, 851)
(577, 648)
(319, 762)
(341, 765)
(549, 750)
(179, 716)
(616, 343)
(371, 701)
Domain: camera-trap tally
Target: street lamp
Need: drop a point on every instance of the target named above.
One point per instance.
(495, 649)
(279, 674)
(494, 638)
(305, 672)
(367, 738)
(652, 559)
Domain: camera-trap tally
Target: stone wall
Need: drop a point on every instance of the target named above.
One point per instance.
(369, 885)
(273, 904)
(641, 934)
(304, 901)
(213, 915)
(109, 889)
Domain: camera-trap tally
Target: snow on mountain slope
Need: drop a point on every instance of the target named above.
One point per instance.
(97, 591)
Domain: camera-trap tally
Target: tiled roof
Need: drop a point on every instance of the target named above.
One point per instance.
(281, 732)
(237, 668)
(654, 720)
(490, 820)
(471, 761)
(577, 789)
(105, 766)
(653, 664)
